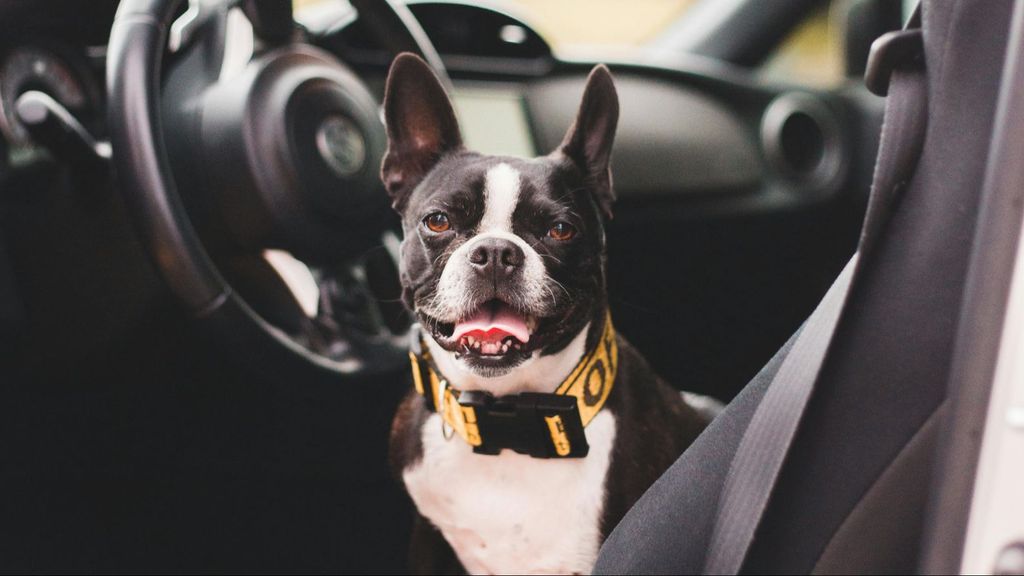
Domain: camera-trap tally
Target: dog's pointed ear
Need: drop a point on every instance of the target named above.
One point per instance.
(588, 143)
(421, 125)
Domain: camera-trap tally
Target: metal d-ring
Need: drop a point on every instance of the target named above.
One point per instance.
(447, 432)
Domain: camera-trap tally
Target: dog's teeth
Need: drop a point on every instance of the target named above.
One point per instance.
(471, 340)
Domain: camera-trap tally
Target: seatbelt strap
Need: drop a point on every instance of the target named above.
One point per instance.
(762, 450)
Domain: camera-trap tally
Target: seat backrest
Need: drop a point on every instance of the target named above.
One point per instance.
(853, 491)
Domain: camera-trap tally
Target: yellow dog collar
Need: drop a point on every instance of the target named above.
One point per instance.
(541, 425)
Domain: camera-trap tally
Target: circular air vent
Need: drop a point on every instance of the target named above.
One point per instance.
(801, 140)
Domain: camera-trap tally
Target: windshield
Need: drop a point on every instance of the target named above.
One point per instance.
(583, 24)
(576, 24)
(809, 54)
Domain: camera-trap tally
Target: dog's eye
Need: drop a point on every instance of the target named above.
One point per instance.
(438, 222)
(561, 231)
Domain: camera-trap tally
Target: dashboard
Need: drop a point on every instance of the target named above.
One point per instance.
(514, 96)
(56, 47)
(67, 74)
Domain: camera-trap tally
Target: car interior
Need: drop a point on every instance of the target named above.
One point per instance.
(202, 339)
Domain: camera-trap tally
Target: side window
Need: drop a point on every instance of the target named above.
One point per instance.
(812, 52)
(832, 43)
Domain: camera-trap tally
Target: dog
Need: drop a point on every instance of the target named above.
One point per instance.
(532, 427)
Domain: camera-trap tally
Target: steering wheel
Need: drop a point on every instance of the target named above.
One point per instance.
(282, 154)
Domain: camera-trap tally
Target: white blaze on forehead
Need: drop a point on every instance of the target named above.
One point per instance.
(501, 194)
(451, 301)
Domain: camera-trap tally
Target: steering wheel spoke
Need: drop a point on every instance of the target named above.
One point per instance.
(272, 20)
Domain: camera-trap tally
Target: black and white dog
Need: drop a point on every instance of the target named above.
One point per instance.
(503, 263)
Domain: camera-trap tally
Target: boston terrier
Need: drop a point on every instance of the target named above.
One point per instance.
(532, 427)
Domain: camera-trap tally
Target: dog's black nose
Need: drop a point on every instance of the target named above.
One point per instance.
(496, 256)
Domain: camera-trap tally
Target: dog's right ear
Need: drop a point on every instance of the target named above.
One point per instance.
(421, 126)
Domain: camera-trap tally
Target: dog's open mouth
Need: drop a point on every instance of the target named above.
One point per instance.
(493, 329)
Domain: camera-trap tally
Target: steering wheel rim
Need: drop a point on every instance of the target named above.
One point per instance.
(145, 175)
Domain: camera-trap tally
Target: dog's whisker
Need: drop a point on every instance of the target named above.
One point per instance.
(562, 286)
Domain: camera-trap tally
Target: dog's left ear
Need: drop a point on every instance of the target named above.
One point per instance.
(589, 140)
(420, 123)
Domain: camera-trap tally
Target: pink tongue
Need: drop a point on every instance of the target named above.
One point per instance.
(493, 325)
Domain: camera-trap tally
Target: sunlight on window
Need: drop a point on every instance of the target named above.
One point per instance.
(575, 23)
(811, 54)
(582, 23)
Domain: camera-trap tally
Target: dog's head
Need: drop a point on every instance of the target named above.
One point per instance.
(503, 258)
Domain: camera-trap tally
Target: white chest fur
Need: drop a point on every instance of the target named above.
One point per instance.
(513, 514)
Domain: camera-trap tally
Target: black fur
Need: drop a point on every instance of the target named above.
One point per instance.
(428, 171)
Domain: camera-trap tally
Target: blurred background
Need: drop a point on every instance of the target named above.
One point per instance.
(136, 436)
(812, 54)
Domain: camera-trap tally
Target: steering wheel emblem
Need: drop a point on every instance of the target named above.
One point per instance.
(341, 144)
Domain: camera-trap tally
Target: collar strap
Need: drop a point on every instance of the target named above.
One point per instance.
(540, 425)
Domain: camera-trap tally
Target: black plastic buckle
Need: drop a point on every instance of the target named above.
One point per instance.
(524, 423)
(890, 51)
